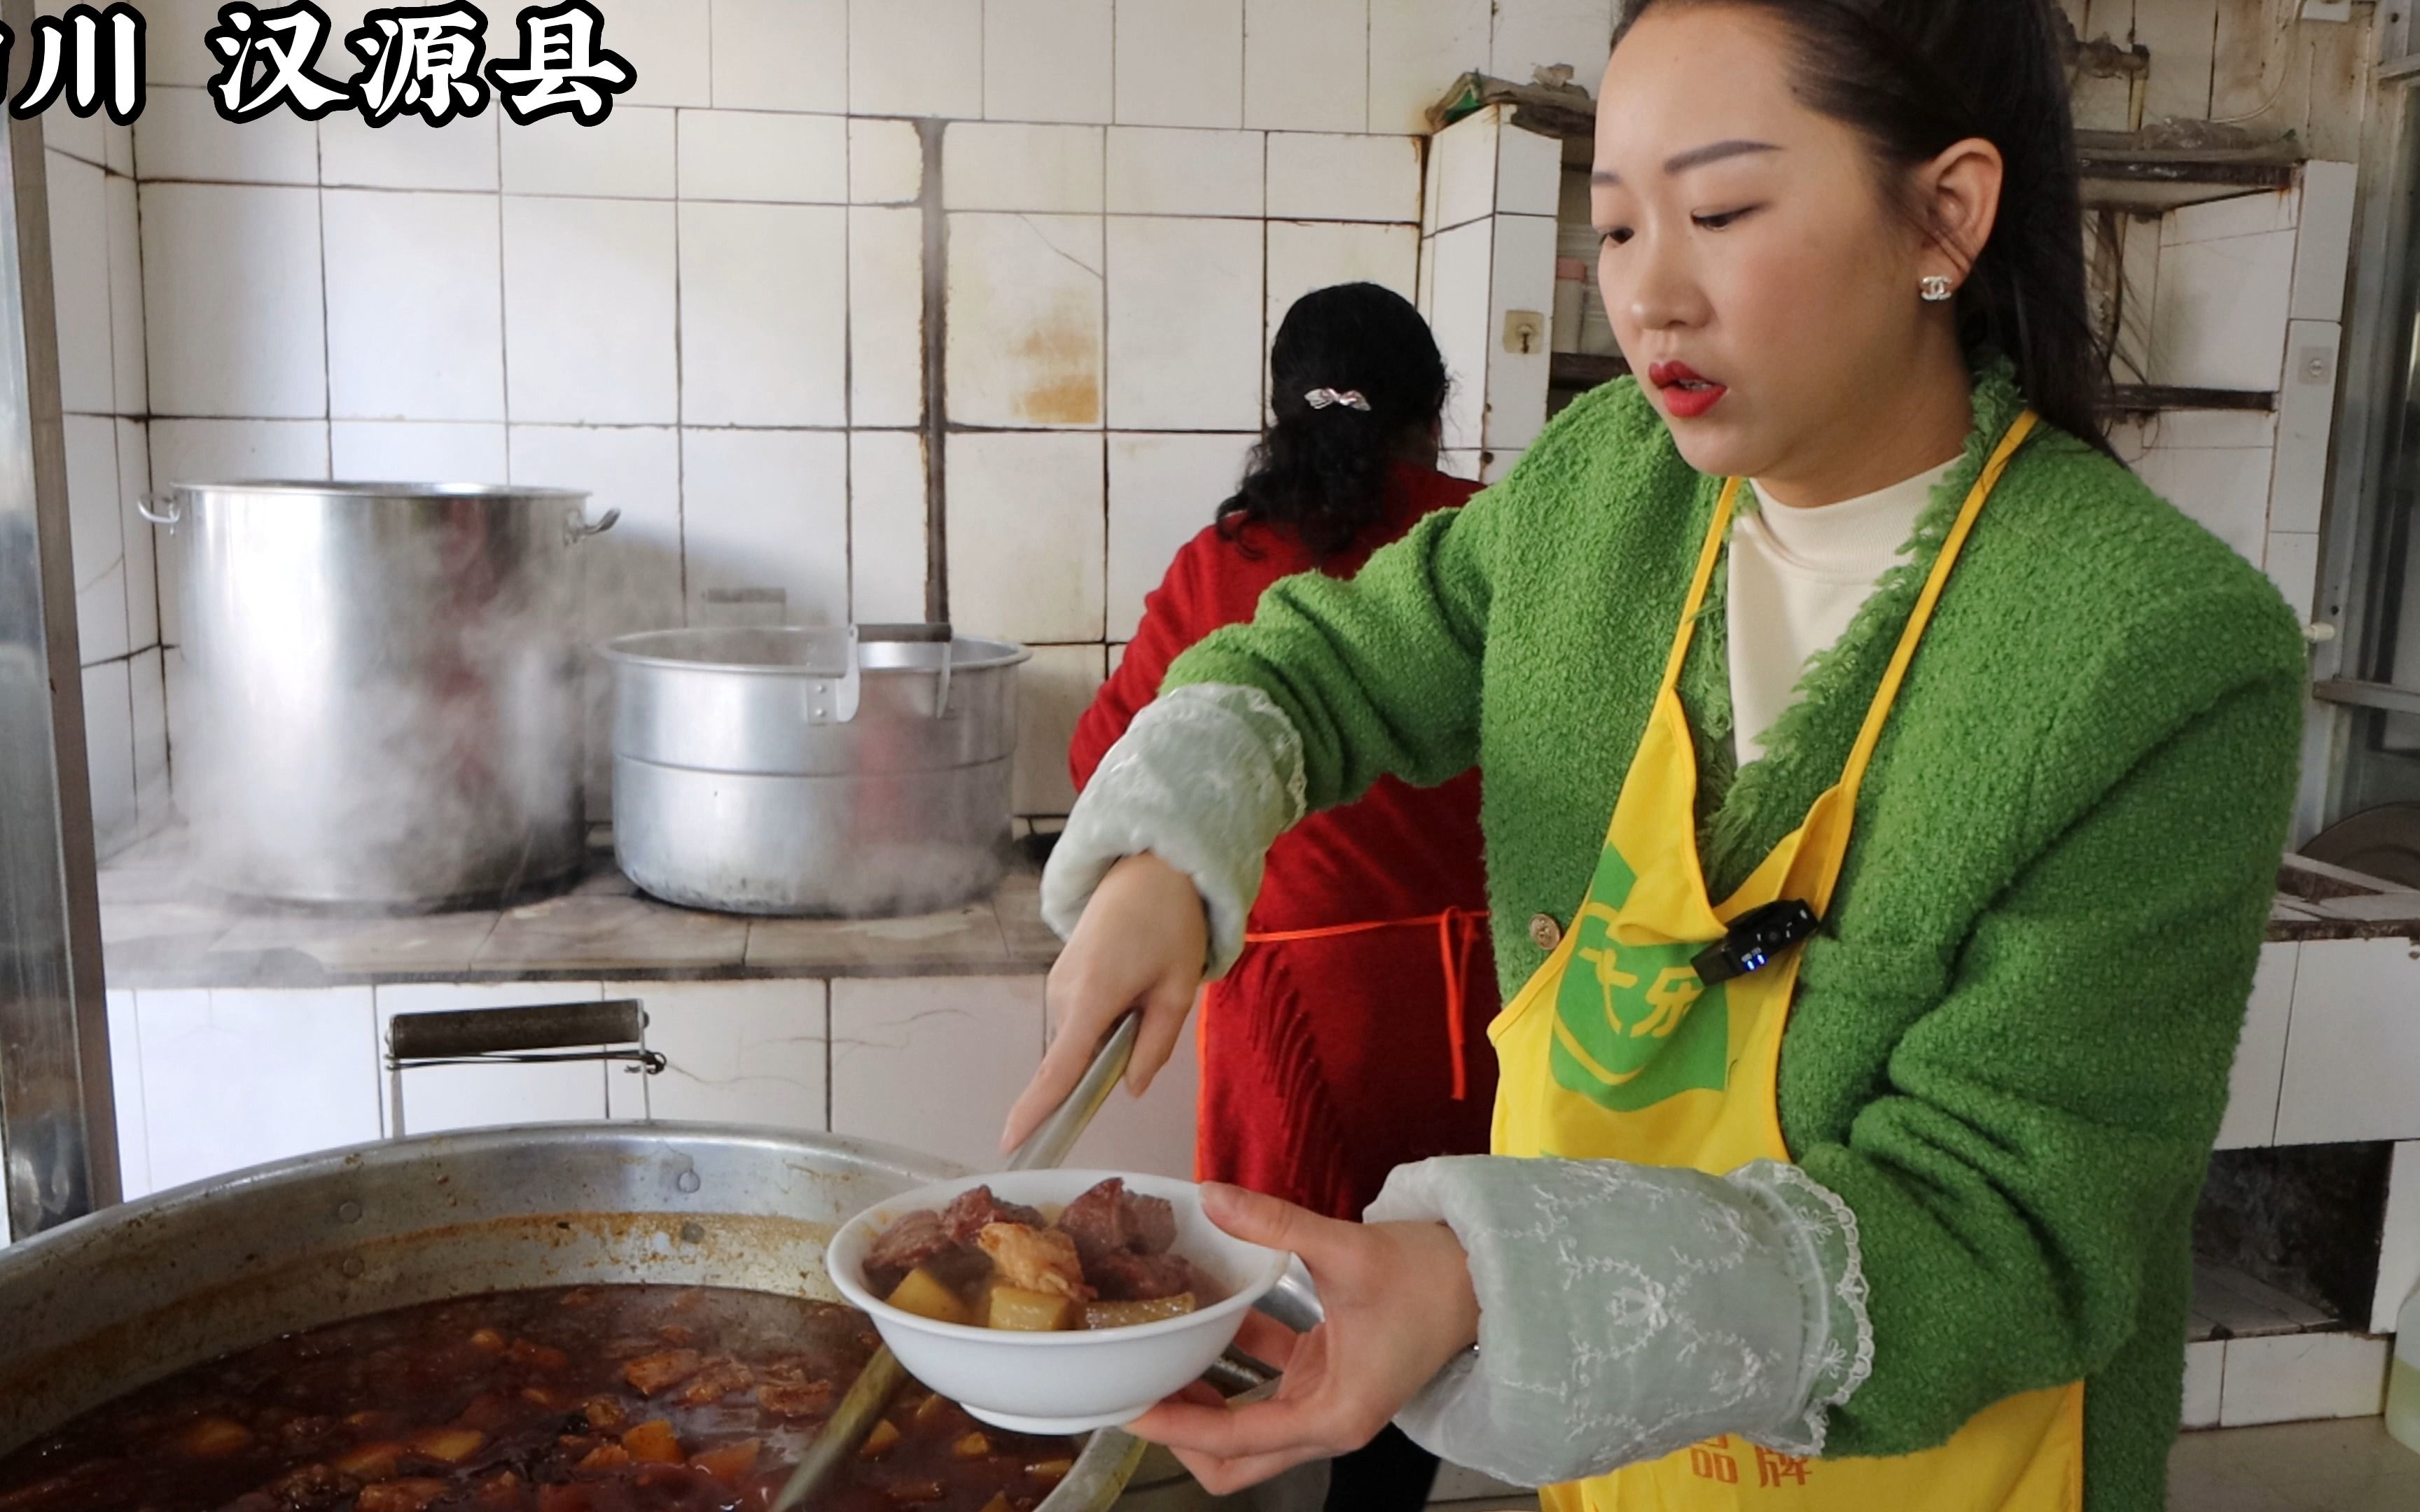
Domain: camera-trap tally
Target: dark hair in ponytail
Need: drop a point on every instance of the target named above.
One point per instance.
(1916, 76)
(1323, 470)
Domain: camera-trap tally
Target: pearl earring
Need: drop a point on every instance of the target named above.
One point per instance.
(1936, 287)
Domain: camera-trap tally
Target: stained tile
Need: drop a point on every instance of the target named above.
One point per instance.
(763, 155)
(232, 300)
(956, 940)
(1463, 165)
(1180, 62)
(316, 1049)
(1307, 64)
(764, 335)
(886, 162)
(581, 933)
(1047, 60)
(437, 1098)
(1025, 331)
(886, 316)
(740, 1052)
(1460, 263)
(1185, 311)
(1417, 48)
(781, 54)
(1323, 178)
(1026, 537)
(1174, 171)
(933, 1064)
(989, 166)
(1542, 33)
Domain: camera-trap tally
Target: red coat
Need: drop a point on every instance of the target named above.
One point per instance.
(1326, 1063)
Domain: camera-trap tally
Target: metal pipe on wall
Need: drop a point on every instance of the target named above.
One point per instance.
(58, 1139)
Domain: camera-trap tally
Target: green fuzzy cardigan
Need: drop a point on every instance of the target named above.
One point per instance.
(2011, 1043)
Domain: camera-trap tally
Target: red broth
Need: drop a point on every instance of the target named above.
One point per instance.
(608, 1399)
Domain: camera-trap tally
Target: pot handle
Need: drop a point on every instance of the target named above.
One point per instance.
(935, 633)
(575, 528)
(172, 518)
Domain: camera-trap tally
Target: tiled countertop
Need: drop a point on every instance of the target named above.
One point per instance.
(160, 929)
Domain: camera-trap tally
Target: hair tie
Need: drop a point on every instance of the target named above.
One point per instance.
(1349, 398)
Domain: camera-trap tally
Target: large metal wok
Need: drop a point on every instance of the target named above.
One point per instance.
(101, 1305)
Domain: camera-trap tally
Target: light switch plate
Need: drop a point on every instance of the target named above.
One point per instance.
(1524, 332)
(2313, 365)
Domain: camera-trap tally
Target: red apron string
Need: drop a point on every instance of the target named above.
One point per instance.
(1454, 956)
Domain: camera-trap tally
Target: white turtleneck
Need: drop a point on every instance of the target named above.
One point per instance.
(1797, 578)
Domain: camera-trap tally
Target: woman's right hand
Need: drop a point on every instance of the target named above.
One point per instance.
(1142, 942)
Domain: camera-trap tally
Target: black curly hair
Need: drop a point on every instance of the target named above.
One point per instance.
(1324, 471)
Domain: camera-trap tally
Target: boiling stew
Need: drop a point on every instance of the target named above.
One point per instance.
(606, 1398)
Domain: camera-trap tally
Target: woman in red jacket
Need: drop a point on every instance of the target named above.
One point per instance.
(1349, 1038)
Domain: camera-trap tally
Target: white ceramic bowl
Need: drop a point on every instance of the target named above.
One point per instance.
(1070, 1383)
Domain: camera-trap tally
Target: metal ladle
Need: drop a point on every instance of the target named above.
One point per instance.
(1042, 1149)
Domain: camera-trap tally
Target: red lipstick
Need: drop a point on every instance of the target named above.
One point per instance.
(1686, 393)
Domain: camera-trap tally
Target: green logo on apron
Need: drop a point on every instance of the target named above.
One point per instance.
(1637, 1026)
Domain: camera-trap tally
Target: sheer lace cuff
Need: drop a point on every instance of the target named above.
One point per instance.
(1627, 1311)
(1205, 778)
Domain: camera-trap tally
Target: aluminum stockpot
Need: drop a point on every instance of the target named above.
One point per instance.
(862, 770)
(383, 689)
(111, 1301)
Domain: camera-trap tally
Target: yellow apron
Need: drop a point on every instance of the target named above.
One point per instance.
(1616, 1049)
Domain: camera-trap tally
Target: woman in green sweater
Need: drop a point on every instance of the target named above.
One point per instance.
(1859, 1071)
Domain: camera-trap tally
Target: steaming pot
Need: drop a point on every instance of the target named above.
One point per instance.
(858, 770)
(383, 705)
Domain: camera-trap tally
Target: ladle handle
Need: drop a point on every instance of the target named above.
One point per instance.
(1048, 1145)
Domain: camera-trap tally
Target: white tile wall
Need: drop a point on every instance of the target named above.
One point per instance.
(1011, 165)
(126, 1093)
(2398, 1254)
(409, 153)
(127, 364)
(1180, 62)
(2323, 253)
(764, 315)
(1528, 171)
(631, 154)
(1344, 177)
(2204, 1365)
(142, 547)
(2261, 1053)
(933, 1064)
(149, 696)
(2293, 564)
(886, 525)
(232, 300)
(765, 155)
(1047, 60)
(1307, 64)
(1523, 280)
(1304, 256)
(96, 541)
(2226, 281)
(1184, 314)
(1458, 264)
(886, 316)
(311, 1056)
(781, 54)
(78, 136)
(437, 1098)
(2295, 1377)
(2306, 418)
(182, 136)
(1163, 491)
(1025, 330)
(80, 243)
(1052, 692)
(1417, 48)
(588, 311)
(1462, 169)
(1172, 171)
(916, 57)
(1025, 535)
(666, 41)
(412, 451)
(1536, 33)
(2353, 1042)
(767, 509)
(2224, 488)
(886, 163)
(741, 1052)
(109, 753)
(415, 316)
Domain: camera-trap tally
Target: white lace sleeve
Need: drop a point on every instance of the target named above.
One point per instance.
(1205, 778)
(1627, 1311)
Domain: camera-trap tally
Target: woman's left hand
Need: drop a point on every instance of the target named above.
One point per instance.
(1399, 1306)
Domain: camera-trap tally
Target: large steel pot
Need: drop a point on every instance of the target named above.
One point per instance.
(383, 706)
(110, 1301)
(862, 770)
